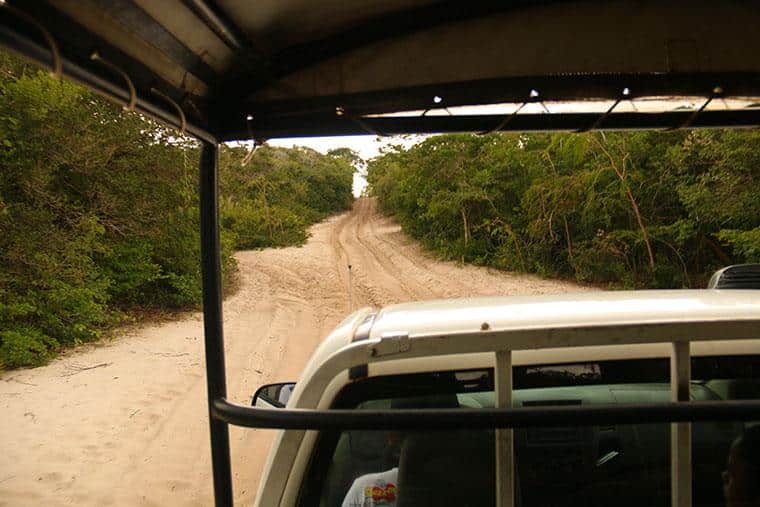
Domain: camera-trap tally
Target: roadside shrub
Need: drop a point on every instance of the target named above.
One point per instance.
(624, 210)
(25, 346)
(746, 244)
(272, 199)
(99, 212)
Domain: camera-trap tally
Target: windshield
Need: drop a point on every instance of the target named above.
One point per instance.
(558, 466)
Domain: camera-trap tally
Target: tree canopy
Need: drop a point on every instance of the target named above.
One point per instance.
(625, 209)
(99, 211)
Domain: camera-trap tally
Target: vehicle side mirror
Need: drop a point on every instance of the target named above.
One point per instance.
(273, 395)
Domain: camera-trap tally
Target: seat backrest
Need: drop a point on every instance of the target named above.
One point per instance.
(448, 468)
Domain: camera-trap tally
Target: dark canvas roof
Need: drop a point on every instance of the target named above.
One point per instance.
(277, 68)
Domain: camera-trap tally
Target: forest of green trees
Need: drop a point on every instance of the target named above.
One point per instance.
(625, 210)
(99, 212)
(99, 208)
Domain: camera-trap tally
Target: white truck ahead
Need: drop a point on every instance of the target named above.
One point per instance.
(564, 351)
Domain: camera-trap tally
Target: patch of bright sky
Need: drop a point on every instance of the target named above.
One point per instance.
(366, 146)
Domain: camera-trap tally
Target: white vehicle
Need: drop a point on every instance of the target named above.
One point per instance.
(599, 348)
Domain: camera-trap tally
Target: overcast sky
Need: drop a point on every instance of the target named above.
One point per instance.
(366, 146)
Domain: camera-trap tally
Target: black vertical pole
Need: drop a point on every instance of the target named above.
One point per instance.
(212, 319)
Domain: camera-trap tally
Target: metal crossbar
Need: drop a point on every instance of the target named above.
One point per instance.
(484, 418)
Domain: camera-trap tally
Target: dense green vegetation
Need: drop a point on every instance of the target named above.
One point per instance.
(99, 212)
(634, 209)
(272, 200)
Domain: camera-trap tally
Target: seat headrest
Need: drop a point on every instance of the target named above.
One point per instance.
(448, 468)
(431, 401)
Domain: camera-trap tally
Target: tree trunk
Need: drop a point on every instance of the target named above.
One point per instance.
(718, 251)
(634, 205)
(640, 220)
(567, 237)
(267, 214)
(466, 227)
(548, 157)
(519, 251)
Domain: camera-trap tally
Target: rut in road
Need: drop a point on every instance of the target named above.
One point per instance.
(134, 429)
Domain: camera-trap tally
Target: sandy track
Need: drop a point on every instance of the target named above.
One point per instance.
(125, 423)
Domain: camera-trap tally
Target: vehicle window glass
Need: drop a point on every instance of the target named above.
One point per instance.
(614, 464)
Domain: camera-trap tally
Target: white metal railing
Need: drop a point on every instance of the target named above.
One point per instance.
(321, 384)
(505, 445)
(680, 433)
(680, 442)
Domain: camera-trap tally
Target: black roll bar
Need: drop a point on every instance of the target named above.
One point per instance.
(308, 126)
(216, 377)
(485, 418)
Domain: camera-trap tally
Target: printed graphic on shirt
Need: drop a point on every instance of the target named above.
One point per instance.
(381, 494)
(373, 490)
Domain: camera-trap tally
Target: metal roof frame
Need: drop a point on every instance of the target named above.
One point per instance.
(277, 91)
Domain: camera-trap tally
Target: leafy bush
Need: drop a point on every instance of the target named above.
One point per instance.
(25, 346)
(272, 199)
(746, 244)
(639, 209)
(99, 212)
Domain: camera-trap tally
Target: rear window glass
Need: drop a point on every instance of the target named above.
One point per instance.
(562, 466)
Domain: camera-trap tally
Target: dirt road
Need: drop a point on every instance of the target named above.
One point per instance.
(125, 423)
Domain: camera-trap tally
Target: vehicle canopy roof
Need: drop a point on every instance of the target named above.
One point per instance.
(236, 69)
